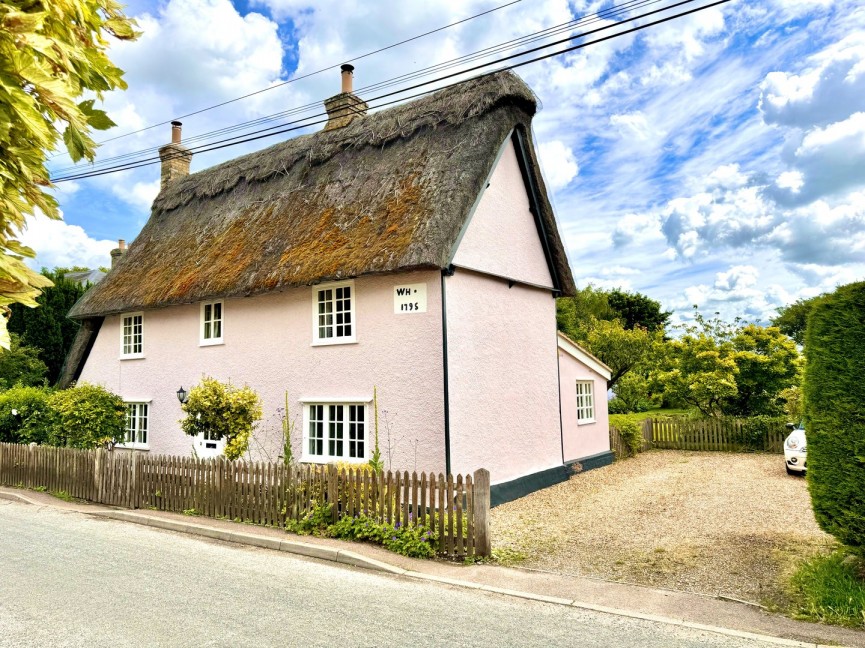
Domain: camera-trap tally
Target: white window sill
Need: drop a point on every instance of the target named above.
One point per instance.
(136, 356)
(338, 400)
(333, 341)
(214, 342)
(315, 459)
(144, 447)
(586, 422)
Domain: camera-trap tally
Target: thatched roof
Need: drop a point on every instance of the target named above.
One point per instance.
(389, 192)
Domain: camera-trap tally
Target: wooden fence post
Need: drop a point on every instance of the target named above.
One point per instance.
(135, 482)
(481, 513)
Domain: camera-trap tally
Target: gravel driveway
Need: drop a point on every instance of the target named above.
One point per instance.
(710, 522)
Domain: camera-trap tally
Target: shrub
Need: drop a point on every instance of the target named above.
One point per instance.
(835, 425)
(86, 416)
(21, 365)
(25, 415)
(756, 429)
(631, 429)
(412, 541)
(223, 411)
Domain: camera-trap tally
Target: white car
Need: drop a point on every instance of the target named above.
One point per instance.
(795, 455)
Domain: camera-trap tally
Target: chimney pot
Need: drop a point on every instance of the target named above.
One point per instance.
(175, 158)
(347, 76)
(121, 244)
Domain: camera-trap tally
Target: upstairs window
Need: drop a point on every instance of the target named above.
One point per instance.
(334, 431)
(211, 323)
(132, 336)
(585, 402)
(137, 418)
(333, 313)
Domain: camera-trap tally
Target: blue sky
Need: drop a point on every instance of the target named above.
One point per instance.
(716, 160)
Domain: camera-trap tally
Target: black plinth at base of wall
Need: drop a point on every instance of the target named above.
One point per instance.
(522, 486)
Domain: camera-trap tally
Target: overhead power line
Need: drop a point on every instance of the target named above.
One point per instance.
(310, 74)
(608, 13)
(241, 140)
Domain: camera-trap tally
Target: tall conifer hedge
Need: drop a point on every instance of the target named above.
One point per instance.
(835, 413)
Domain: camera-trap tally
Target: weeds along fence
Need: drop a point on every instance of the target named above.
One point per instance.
(455, 508)
(724, 435)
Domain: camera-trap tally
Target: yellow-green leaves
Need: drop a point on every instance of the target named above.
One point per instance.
(223, 411)
(50, 54)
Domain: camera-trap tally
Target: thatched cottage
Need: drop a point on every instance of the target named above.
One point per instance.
(413, 249)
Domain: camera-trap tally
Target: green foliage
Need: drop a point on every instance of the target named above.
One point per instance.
(793, 318)
(723, 369)
(831, 589)
(375, 461)
(631, 430)
(767, 363)
(794, 408)
(25, 415)
(51, 53)
(636, 310)
(287, 434)
(415, 542)
(633, 394)
(20, 365)
(755, 430)
(834, 393)
(223, 411)
(618, 327)
(313, 522)
(47, 328)
(87, 416)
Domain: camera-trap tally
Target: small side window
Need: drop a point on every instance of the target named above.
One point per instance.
(212, 323)
(132, 336)
(585, 402)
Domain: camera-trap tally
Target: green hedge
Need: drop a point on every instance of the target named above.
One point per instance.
(834, 390)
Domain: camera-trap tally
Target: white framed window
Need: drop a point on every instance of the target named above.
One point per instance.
(132, 335)
(585, 402)
(335, 432)
(137, 426)
(333, 320)
(210, 331)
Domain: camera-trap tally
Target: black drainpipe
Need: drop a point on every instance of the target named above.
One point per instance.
(447, 272)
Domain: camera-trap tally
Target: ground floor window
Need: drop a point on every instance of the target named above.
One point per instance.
(137, 418)
(335, 431)
(585, 402)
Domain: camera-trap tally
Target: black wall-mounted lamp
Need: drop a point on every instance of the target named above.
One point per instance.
(182, 395)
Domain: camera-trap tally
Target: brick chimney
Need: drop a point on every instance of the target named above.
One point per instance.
(118, 252)
(344, 108)
(175, 157)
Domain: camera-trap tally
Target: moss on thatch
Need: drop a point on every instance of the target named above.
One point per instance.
(389, 192)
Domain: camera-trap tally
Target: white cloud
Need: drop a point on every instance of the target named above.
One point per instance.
(558, 163)
(58, 243)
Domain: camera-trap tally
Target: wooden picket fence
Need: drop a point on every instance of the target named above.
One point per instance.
(678, 433)
(456, 508)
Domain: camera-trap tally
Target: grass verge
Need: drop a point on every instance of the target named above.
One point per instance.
(830, 589)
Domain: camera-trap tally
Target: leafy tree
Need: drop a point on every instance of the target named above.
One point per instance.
(576, 315)
(834, 420)
(768, 363)
(47, 327)
(20, 365)
(619, 348)
(620, 328)
(25, 415)
(51, 53)
(87, 416)
(633, 394)
(792, 319)
(223, 411)
(637, 310)
(698, 370)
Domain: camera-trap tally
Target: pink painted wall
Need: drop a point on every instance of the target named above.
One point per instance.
(504, 399)
(589, 438)
(502, 238)
(268, 346)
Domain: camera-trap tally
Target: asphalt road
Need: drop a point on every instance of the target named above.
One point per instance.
(67, 579)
